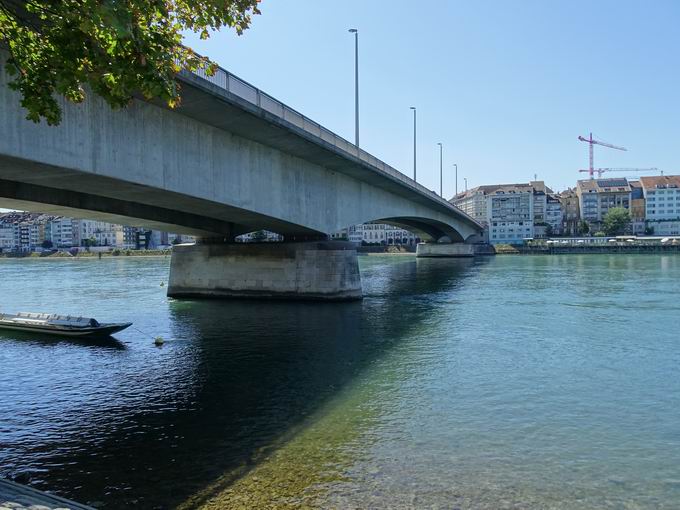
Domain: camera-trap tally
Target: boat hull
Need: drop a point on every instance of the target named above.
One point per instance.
(102, 331)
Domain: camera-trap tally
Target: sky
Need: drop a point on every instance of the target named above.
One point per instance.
(506, 87)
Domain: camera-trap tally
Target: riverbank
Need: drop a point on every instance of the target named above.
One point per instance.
(87, 254)
(624, 249)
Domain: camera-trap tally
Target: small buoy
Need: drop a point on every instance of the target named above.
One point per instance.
(162, 284)
(158, 340)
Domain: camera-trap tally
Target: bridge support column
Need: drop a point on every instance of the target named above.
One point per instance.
(445, 250)
(319, 270)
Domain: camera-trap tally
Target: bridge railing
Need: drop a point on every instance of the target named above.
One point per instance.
(241, 88)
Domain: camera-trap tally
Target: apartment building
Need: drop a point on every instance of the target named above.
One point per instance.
(553, 214)
(662, 204)
(637, 208)
(7, 238)
(511, 213)
(571, 212)
(97, 233)
(473, 203)
(59, 231)
(598, 196)
(378, 233)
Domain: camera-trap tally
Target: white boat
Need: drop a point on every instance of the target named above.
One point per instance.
(63, 325)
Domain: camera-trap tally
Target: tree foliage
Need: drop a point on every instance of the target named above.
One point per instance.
(616, 221)
(117, 48)
(583, 227)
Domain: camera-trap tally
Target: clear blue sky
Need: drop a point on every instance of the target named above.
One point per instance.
(506, 86)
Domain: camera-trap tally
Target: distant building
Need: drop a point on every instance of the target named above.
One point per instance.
(553, 214)
(473, 203)
(7, 238)
(259, 236)
(27, 231)
(511, 213)
(29, 236)
(97, 233)
(380, 233)
(571, 212)
(59, 231)
(598, 196)
(662, 204)
(637, 208)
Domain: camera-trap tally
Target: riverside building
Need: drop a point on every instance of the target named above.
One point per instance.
(662, 204)
(511, 213)
(597, 196)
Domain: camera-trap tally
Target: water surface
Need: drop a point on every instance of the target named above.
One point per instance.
(509, 382)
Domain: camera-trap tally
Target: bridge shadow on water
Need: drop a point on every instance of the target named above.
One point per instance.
(246, 373)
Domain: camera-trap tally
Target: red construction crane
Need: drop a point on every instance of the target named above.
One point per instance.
(592, 142)
(600, 171)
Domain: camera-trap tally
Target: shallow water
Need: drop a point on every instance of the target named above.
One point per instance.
(508, 382)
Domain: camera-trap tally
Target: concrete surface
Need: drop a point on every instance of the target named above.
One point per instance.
(217, 165)
(327, 271)
(445, 250)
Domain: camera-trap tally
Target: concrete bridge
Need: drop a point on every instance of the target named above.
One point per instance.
(230, 160)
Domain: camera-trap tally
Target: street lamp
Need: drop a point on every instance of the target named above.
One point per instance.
(456, 165)
(356, 84)
(414, 142)
(441, 171)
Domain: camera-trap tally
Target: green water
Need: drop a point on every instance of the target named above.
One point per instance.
(509, 382)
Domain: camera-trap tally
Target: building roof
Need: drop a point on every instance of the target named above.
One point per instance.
(488, 189)
(616, 184)
(660, 181)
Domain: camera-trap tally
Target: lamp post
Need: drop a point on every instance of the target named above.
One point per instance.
(456, 165)
(414, 142)
(356, 84)
(441, 171)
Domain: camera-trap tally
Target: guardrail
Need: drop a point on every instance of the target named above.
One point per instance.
(244, 90)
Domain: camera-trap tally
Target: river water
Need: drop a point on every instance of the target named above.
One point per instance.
(510, 382)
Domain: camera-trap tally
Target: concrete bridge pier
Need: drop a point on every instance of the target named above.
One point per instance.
(311, 270)
(445, 250)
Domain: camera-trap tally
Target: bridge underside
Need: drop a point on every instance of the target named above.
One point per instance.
(30, 186)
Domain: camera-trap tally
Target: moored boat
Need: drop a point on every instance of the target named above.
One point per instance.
(62, 325)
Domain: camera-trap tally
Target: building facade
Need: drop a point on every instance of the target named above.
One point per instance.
(378, 233)
(598, 196)
(571, 213)
(511, 213)
(662, 204)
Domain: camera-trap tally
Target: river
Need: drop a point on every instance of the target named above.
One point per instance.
(510, 382)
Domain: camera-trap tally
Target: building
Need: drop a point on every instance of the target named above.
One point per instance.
(553, 214)
(8, 240)
(597, 196)
(379, 233)
(473, 203)
(29, 236)
(260, 236)
(97, 233)
(637, 208)
(59, 231)
(511, 213)
(662, 204)
(571, 212)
